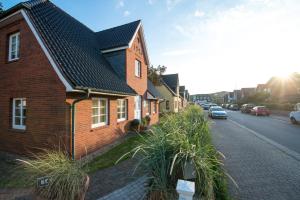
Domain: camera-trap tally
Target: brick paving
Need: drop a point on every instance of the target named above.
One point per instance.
(136, 190)
(105, 181)
(261, 170)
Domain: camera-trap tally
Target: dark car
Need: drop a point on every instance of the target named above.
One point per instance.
(260, 110)
(246, 108)
(234, 107)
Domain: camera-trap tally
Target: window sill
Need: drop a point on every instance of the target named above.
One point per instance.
(15, 130)
(96, 127)
(12, 61)
(121, 121)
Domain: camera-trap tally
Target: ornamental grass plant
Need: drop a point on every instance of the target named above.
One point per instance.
(67, 180)
(180, 139)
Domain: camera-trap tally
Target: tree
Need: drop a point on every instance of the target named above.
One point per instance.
(1, 8)
(154, 73)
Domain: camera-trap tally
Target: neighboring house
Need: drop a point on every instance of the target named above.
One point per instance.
(169, 89)
(247, 92)
(64, 85)
(184, 96)
(236, 96)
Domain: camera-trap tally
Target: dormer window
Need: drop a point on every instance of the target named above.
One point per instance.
(138, 66)
(14, 47)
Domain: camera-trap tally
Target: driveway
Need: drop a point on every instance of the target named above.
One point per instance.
(262, 156)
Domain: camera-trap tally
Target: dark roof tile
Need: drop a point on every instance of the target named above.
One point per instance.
(75, 48)
(119, 36)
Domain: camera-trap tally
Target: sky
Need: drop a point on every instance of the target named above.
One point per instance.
(214, 45)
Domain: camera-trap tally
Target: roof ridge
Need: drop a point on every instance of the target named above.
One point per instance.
(31, 3)
(139, 20)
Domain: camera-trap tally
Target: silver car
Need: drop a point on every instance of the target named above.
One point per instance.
(217, 112)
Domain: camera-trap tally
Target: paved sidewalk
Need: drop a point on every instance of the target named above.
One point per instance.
(136, 190)
(261, 170)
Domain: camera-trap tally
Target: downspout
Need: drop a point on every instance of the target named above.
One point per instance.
(73, 109)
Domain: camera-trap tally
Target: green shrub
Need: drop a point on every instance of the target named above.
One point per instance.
(178, 139)
(67, 179)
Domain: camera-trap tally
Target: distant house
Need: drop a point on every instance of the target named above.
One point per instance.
(236, 96)
(169, 89)
(184, 96)
(63, 84)
(284, 90)
(247, 92)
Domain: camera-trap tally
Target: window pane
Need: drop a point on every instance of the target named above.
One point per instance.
(103, 110)
(17, 112)
(103, 102)
(95, 120)
(119, 116)
(23, 121)
(95, 111)
(119, 109)
(123, 109)
(123, 115)
(103, 118)
(95, 103)
(17, 103)
(17, 121)
(24, 103)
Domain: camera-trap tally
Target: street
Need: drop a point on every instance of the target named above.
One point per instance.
(262, 155)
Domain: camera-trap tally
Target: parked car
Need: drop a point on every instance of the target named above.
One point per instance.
(227, 105)
(246, 108)
(234, 107)
(217, 112)
(295, 115)
(260, 110)
(206, 106)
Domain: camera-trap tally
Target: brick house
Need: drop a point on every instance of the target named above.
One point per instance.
(64, 85)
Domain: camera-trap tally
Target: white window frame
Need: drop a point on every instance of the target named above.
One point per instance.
(120, 106)
(99, 112)
(14, 125)
(17, 35)
(137, 68)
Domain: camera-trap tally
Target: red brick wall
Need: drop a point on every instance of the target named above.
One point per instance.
(31, 77)
(139, 84)
(88, 139)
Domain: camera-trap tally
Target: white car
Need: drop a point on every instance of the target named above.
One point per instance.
(295, 115)
(217, 112)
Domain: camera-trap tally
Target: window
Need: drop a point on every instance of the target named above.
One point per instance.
(149, 107)
(100, 112)
(122, 109)
(137, 70)
(167, 105)
(154, 107)
(19, 113)
(14, 47)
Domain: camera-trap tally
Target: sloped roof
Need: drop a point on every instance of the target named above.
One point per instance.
(171, 80)
(153, 90)
(119, 36)
(181, 90)
(74, 48)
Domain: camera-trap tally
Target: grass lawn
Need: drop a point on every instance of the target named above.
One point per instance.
(12, 175)
(109, 158)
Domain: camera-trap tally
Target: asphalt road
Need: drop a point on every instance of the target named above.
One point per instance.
(262, 155)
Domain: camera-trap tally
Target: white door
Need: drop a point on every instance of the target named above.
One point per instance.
(137, 107)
